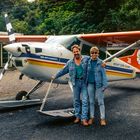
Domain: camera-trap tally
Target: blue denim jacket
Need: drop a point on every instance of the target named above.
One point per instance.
(100, 75)
(70, 68)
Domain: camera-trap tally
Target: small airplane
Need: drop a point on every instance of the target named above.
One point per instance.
(41, 60)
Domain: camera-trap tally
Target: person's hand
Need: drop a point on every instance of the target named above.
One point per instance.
(103, 89)
(53, 77)
(103, 64)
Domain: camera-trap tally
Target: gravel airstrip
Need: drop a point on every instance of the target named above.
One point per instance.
(122, 100)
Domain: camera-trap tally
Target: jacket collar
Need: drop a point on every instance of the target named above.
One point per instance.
(73, 59)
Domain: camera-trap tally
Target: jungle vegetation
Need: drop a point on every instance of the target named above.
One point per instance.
(58, 17)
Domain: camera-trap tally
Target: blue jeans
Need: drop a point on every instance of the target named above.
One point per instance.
(80, 92)
(92, 93)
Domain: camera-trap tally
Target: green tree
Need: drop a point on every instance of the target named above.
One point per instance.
(71, 16)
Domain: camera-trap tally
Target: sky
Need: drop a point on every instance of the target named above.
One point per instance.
(31, 0)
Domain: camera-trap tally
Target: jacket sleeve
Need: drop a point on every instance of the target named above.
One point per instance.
(64, 71)
(104, 77)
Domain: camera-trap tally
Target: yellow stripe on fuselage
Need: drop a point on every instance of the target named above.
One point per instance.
(47, 64)
(58, 65)
(115, 73)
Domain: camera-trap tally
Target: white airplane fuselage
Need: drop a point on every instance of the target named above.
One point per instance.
(40, 61)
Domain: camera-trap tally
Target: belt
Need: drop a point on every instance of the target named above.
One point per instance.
(80, 78)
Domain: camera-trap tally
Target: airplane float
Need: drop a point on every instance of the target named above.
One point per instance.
(41, 60)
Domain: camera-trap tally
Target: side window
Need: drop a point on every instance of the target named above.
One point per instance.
(38, 50)
(102, 55)
(85, 49)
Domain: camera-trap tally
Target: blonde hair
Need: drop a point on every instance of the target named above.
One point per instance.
(94, 48)
(76, 46)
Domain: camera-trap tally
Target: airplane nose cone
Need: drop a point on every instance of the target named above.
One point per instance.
(7, 47)
(12, 48)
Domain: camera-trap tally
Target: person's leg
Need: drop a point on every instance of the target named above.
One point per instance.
(84, 103)
(76, 100)
(84, 115)
(100, 97)
(91, 95)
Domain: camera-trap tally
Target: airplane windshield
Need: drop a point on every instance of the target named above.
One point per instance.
(66, 41)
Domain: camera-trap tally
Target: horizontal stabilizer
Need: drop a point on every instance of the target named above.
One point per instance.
(59, 113)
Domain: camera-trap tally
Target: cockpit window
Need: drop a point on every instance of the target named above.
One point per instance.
(38, 50)
(85, 49)
(66, 41)
(27, 48)
(72, 42)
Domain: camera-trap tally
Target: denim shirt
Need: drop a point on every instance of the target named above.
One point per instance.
(70, 68)
(100, 75)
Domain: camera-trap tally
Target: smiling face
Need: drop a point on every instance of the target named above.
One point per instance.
(76, 51)
(94, 53)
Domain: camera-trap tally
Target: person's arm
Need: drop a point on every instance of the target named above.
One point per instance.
(62, 72)
(103, 64)
(104, 78)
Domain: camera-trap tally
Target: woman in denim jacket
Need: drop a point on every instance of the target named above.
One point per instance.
(96, 84)
(76, 68)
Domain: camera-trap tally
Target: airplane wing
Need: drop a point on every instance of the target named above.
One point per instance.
(118, 40)
(99, 39)
(112, 38)
(24, 38)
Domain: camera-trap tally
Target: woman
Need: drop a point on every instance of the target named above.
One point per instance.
(96, 84)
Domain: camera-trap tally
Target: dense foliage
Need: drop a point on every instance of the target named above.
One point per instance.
(71, 16)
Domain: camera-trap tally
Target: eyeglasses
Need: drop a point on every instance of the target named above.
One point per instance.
(94, 53)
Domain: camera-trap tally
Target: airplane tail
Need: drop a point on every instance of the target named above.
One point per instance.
(133, 60)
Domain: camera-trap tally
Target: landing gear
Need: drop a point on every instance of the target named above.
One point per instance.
(22, 99)
(21, 95)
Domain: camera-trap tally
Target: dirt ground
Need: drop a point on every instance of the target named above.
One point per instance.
(122, 102)
(10, 85)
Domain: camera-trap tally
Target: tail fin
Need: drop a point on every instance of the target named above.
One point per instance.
(133, 59)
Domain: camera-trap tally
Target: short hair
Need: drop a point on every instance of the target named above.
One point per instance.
(75, 46)
(94, 48)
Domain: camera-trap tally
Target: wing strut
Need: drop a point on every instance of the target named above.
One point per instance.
(44, 100)
(55, 113)
(136, 44)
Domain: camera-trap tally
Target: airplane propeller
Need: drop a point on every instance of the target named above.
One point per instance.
(11, 36)
(5, 67)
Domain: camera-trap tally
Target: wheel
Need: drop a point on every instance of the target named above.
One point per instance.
(20, 95)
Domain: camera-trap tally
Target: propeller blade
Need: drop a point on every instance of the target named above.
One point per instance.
(10, 30)
(11, 40)
(5, 67)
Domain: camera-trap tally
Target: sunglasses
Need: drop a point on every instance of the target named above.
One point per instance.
(94, 53)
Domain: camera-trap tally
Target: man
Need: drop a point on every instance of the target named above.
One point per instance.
(76, 68)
